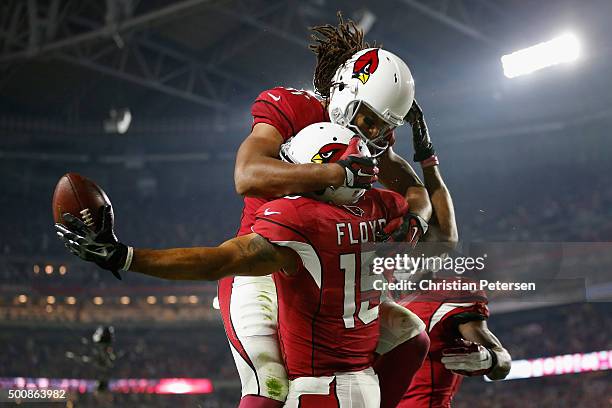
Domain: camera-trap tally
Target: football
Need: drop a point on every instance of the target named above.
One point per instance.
(80, 197)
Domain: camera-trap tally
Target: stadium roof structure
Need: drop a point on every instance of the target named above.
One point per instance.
(76, 58)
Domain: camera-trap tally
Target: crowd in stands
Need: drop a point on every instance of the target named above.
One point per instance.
(585, 215)
(202, 352)
(590, 390)
(555, 330)
(91, 313)
(152, 352)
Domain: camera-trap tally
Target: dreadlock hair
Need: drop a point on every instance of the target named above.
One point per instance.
(333, 46)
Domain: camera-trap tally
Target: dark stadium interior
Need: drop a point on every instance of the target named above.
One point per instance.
(526, 160)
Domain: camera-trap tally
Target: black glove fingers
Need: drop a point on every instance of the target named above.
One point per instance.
(76, 224)
(107, 218)
(66, 234)
(60, 228)
(417, 108)
(366, 161)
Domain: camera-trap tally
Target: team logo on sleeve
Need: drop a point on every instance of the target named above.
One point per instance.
(329, 153)
(366, 65)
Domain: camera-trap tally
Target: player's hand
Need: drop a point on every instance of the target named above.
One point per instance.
(423, 149)
(409, 228)
(103, 248)
(468, 358)
(361, 171)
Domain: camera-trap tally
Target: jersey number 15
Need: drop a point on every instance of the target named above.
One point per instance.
(366, 314)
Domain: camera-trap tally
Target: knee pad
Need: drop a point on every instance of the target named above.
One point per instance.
(397, 325)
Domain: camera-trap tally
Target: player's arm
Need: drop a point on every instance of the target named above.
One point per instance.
(259, 172)
(397, 175)
(442, 203)
(478, 332)
(439, 194)
(250, 255)
(483, 355)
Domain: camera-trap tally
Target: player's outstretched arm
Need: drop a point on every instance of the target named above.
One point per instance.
(489, 357)
(259, 172)
(249, 255)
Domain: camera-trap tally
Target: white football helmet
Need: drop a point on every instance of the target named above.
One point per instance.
(324, 142)
(381, 81)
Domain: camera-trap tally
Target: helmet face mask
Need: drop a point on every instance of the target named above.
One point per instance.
(377, 143)
(378, 80)
(323, 142)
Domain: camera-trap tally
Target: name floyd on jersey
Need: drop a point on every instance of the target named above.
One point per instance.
(359, 232)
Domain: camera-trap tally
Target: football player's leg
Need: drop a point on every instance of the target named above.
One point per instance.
(249, 311)
(343, 390)
(402, 347)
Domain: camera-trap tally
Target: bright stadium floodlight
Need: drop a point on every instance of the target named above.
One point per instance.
(564, 48)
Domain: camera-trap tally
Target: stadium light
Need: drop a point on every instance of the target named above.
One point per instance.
(576, 363)
(118, 121)
(565, 48)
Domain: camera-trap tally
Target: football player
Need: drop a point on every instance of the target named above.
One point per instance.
(328, 325)
(370, 91)
(461, 343)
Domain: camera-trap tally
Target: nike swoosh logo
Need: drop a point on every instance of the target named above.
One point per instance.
(103, 252)
(268, 212)
(276, 98)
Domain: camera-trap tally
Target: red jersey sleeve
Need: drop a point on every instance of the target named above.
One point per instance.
(467, 312)
(278, 221)
(288, 110)
(464, 306)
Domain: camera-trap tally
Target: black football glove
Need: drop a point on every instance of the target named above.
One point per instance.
(409, 228)
(361, 171)
(423, 149)
(103, 248)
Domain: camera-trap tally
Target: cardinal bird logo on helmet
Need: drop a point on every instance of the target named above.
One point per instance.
(366, 65)
(329, 153)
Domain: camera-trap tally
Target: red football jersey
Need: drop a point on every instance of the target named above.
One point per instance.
(434, 386)
(289, 111)
(328, 310)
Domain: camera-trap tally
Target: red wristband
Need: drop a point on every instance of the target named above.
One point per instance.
(432, 161)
